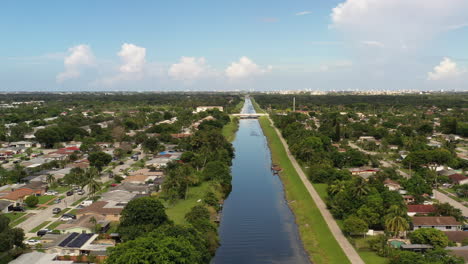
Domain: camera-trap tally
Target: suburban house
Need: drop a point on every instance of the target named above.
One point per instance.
(364, 172)
(457, 236)
(109, 210)
(18, 196)
(408, 199)
(458, 179)
(133, 188)
(75, 244)
(22, 144)
(420, 209)
(4, 206)
(443, 223)
(392, 185)
(39, 258)
(84, 224)
(366, 138)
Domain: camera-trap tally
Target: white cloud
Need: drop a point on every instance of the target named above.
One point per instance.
(373, 43)
(303, 13)
(189, 69)
(396, 21)
(80, 57)
(133, 57)
(244, 68)
(447, 69)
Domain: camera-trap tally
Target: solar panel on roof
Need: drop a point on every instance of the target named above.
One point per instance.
(80, 240)
(68, 239)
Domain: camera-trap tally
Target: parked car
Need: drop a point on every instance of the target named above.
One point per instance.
(32, 242)
(56, 210)
(17, 209)
(51, 193)
(87, 203)
(42, 232)
(56, 201)
(72, 216)
(70, 193)
(114, 185)
(80, 192)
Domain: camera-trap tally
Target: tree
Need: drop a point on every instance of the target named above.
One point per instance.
(144, 250)
(445, 209)
(31, 200)
(198, 212)
(354, 225)
(50, 179)
(431, 236)
(99, 159)
(140, 216)
(396, 222)
(152, 145)
(9, 237)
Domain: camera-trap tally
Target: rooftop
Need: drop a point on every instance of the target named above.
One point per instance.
(435, 221)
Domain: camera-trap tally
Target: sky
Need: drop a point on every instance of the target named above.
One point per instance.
(146, 45)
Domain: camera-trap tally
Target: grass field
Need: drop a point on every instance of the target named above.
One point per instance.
(39, 227)
(14, 216)
(238, 107)
(315, 234)
(229, 130)
(45, 198)
(177, 211)
(19, 220)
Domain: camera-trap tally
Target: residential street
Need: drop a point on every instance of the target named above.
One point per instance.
(46, 214)
(443, 198)
(348, 249)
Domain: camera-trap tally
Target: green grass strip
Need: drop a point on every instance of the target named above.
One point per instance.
(316, 237)
(39, 227)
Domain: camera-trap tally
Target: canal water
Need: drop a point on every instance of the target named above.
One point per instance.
(257, 225)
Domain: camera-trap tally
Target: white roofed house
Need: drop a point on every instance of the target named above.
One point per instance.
(204, 108)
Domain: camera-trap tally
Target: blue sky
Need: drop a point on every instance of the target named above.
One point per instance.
(226, 45)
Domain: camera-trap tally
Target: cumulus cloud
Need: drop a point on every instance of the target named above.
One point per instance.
(392, 22)
(244, 68)
(189, 69)
(303, 13)
(80, 56)
(133, 57)
(446, 70)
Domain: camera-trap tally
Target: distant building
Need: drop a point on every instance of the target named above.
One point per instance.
(205, 108)
(392, 185)
(458, 179)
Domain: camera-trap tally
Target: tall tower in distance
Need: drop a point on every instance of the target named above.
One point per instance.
(294, 104)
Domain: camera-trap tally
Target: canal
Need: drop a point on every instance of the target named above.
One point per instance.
(257, 226)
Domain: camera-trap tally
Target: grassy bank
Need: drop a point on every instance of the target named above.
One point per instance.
(177, 211)
(256, 106)
(315, 234)
(238, 107)
(229, 130)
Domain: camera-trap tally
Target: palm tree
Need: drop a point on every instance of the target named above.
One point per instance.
(396, 223)
(50, 179)
(360, 187)
(93, 187)
(93, 221)
(336, 187)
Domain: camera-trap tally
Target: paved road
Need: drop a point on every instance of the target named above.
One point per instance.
(348, 249)
(443, 198)
(46, 214)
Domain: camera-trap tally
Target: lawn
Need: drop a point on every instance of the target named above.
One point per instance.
(238, 107)
(60, 189)
(315, 234)
(229, 130)
(321, 189)
(19, 220)
(14, 216)
(55, 224)
(43, 199)
(39, 227)
(177, 211)
(366, 254)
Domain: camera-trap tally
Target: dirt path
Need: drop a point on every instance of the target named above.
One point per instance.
(348, 249)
